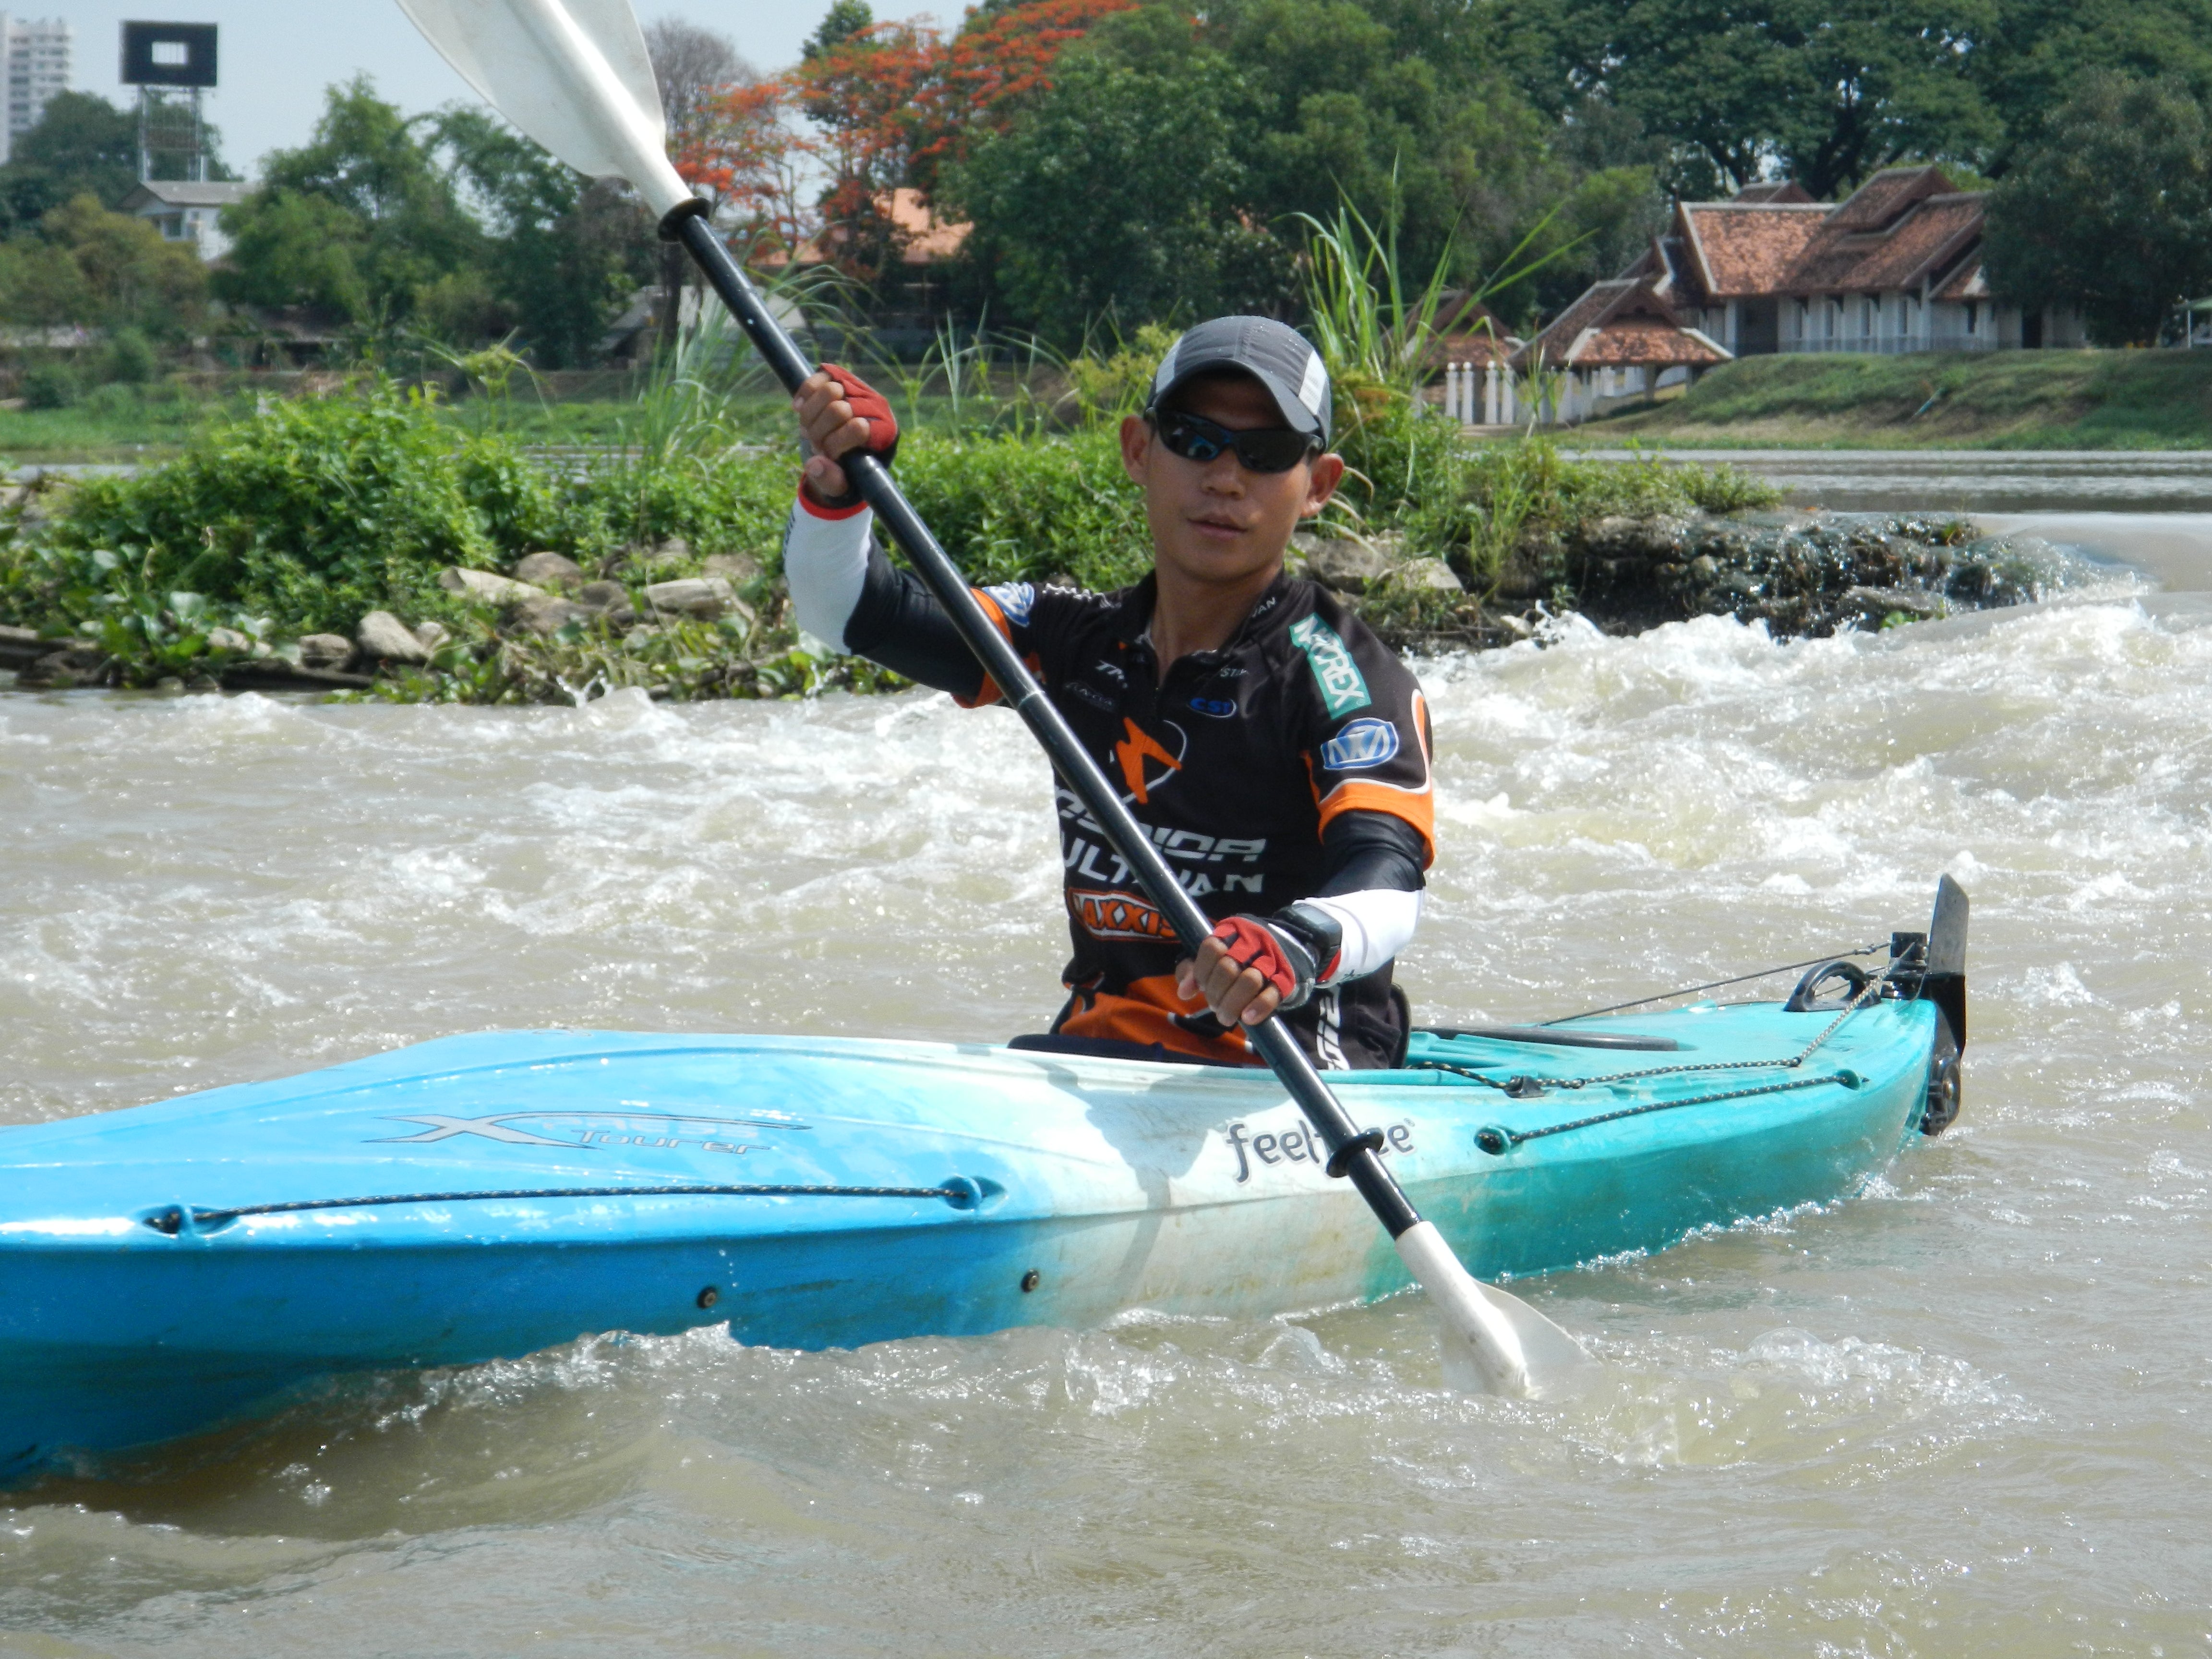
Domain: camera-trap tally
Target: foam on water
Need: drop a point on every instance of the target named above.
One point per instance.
(1961, 1411)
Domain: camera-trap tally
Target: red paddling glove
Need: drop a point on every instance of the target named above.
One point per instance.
(870, 405)
(1284, 962)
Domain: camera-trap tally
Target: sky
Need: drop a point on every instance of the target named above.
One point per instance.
(277, 55)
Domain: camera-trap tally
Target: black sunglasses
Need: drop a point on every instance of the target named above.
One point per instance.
(1261, 449)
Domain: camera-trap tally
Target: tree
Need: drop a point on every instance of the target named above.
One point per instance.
(1824, 91)
(1118, 193)
(695, 69)
(2028, 62)
(360, 220)
(845, 19)
(82, 146)
(561, 251)
(90, 266)
(748, 153)
(2110, 210)
(1392, 105)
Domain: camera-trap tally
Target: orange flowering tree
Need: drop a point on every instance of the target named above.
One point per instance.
(883, 109)
(746, 154)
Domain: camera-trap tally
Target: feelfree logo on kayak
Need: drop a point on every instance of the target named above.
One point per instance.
(1296, 1145)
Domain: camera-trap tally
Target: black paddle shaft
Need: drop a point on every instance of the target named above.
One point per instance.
(1350, 1151)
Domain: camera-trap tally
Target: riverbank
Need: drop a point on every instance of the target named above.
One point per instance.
(1997, 400)
(365, 544)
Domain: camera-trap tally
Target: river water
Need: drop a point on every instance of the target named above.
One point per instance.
(1966, 1411)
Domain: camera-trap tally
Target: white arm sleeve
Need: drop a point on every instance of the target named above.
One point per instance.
(825, 562)
(1377, 925)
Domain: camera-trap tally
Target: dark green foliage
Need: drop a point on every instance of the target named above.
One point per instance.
(563, 252)
(2035, 52)
(1013, 509)
(2110, 211)
(51, 385)
(1826, 90)
(1161, 173)
(360, 221)
(130, 359)
(844, 20)
(316, 512)
(90, 266)
(82, 146)
(1120, 193)
(452, 226)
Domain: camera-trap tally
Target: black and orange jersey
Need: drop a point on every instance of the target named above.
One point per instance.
(1258, 769)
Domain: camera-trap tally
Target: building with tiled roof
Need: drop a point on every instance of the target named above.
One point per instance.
(1895, 267)
(1621, 339)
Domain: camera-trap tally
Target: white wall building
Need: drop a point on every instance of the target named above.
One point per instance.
(189, 210)
(1895, 268)
(38, 51)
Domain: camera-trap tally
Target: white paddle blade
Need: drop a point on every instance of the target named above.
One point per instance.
(1494, 1342)
(571, 73)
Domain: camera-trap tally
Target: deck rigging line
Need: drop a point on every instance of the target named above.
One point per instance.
(1522, 1087)
(168, 1221)
(1714, 985)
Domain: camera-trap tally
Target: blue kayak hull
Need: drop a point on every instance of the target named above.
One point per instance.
(169, 1268)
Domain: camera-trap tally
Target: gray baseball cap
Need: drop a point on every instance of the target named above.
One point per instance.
(1279, 357)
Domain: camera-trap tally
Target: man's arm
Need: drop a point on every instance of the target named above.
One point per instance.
(846, 594)
(1364, 915)
(843, 591)
(1369, 899)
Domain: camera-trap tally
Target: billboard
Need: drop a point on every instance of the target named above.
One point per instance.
(168, 55)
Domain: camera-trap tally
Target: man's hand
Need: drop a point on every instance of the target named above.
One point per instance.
(838, 413)
(1246, 970)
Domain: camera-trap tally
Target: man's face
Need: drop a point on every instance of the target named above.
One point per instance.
(1217, 522)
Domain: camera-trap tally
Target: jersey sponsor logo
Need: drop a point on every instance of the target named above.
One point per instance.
(1015, 599)
(1361, 744)
(1219, 708)
(1342, 689)
(1139, 747)
(1117, 915)
(1093, 696)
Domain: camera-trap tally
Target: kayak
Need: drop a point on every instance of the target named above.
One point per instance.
(171, 1268)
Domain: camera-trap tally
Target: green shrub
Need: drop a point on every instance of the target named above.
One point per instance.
(129, 358)
(313, 512)
(1012, 509)
(50, 386)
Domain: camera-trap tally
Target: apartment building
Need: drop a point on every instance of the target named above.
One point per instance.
(38, 51)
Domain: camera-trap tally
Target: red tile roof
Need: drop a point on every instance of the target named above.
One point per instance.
(1923, 241)
(1739, 249)
(1903, 227)
(1646, 341)
(1620, 324)
(1877, 203)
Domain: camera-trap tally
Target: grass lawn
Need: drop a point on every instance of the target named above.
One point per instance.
(1998, 400)
(135, 424)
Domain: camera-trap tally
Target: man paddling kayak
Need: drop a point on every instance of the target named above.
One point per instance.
(1274, 750)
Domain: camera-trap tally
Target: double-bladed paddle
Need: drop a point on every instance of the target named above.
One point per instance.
(575, 75)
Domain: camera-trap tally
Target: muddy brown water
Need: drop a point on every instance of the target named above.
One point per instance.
(1966, 1410)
